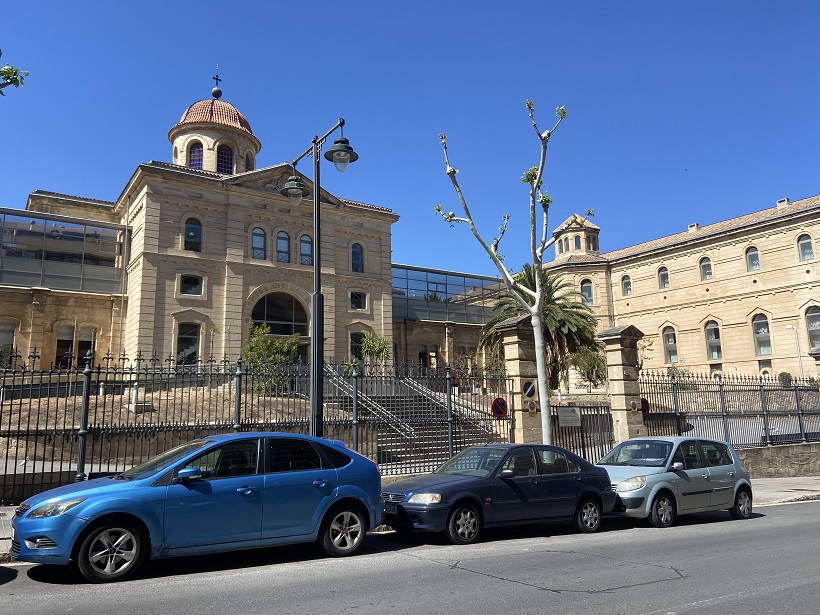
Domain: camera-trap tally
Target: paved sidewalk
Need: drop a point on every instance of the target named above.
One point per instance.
(766, 491)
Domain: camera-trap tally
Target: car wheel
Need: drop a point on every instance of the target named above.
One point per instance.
(111, 552)
(663, 511)
(464, 524)
(588, 516)
(743, 505)
(343, 532)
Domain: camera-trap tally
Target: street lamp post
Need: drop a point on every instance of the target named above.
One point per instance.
(341, 154)
(797, 342)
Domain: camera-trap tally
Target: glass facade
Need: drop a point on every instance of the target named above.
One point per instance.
(430, 294)
(53, 252)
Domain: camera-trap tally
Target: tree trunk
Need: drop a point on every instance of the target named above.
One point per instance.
(543, 380)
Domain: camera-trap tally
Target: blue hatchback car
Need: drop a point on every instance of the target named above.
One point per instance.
(218, 493)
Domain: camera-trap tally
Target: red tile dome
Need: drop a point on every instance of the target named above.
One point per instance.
(217, 112)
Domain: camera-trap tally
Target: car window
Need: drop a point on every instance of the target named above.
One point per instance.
(650, 453)
(292, 455)
(337, 458)
(478, 461)
(232, 459)
(678, 456)
(522, 461)
(165, 460)
(716, 454)
(555, 462)
(691, 455)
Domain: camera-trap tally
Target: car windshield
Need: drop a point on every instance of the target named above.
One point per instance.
(650, 453)
(472, 462)
(164, 460)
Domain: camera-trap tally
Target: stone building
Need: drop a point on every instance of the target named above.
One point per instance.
(189, 255)
(193, 251)
(741, 295)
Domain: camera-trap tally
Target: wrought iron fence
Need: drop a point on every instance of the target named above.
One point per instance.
(66, 424)
(592, 439)
(745, 411)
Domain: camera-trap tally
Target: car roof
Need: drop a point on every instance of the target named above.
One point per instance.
(673, 439)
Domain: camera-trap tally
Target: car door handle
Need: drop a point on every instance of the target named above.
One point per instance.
(320, 483)
(732, 474)
(578, 478)
(534, 481)
(706, 476)
(245, 490)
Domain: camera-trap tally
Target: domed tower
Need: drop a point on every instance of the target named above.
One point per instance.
(212, 135)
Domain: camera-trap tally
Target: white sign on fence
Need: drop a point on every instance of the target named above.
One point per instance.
(569, 416)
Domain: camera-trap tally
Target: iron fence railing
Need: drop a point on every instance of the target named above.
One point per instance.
(745, 411)
(67, 424)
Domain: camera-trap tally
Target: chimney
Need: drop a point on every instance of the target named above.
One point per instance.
(694, 227)
(783, 202)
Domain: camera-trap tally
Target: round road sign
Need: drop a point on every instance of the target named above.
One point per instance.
(499, 407)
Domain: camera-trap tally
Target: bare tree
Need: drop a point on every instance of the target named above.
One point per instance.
(540, 240)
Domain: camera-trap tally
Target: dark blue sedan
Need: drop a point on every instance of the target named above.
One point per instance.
(219, 493)
(500, 484)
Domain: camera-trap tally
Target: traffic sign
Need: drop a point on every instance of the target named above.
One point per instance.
(529, 390)
(499, 407)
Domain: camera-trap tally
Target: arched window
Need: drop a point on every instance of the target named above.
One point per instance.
(752, 259)
(282, 313)
(187, 343)
(357, 258)
(258, 240)
(195, 155)
(626, 286)
(713, 352)
(760, 330)
(305, 250)
(282, 247)
(813, 327)
(190, 285)
(705, 269)
(663, 278)
(65, 346)
(248, 162)
(6, 343)
(193, 235)
(356, 340)
(224, 160)
(804, 248)
(566, 244)
(670, 346)
(586, 291)
(577, 242)
(560, 247)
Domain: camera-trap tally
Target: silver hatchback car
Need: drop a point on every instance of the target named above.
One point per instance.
(661, 478)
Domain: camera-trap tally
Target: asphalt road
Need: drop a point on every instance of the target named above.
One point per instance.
(704, 564)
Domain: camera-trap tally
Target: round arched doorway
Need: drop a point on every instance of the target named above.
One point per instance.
(284, 315)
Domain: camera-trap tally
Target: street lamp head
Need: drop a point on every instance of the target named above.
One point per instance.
(791, 327)
(341, 154)
(295, 190)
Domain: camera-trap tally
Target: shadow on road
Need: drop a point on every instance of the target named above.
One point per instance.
(7, 574)
(232, 560)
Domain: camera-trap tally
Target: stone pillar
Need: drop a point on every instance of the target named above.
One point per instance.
(519, 356)
(621, 347)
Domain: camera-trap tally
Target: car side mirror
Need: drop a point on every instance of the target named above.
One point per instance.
(507, 474)
(187, 475)
(677, 466)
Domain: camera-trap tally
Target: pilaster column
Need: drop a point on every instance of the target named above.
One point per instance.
(621, 347)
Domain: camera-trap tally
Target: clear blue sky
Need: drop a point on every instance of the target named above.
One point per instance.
(679, 112)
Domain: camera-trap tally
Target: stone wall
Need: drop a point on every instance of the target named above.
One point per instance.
(782, 460)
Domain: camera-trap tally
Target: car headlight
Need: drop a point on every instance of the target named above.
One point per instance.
(52, 508)
(424, 498)
(631, 484)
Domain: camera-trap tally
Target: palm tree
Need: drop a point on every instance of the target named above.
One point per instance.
(569, 324)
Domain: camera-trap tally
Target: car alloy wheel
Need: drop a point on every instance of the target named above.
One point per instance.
(110, 553)
(743, 505)
(588, 516)
(343, 532)
(464, 525)
(663, 511)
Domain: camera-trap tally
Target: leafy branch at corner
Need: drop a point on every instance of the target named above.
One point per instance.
(10, 76)
(530, 300)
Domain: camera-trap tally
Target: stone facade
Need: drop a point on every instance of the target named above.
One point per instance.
(207, 254)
